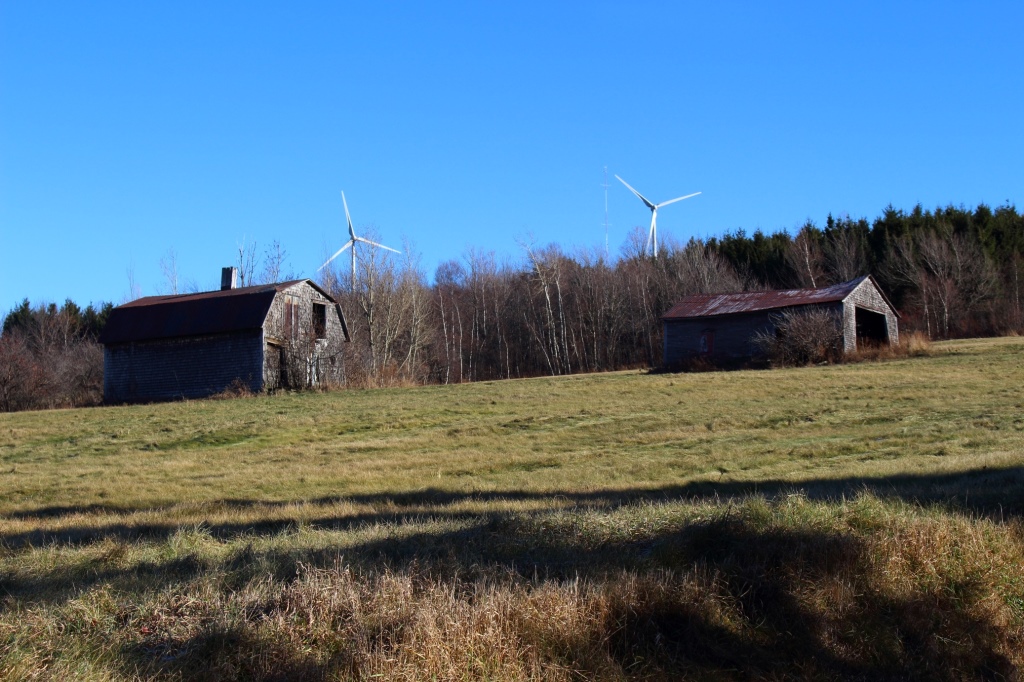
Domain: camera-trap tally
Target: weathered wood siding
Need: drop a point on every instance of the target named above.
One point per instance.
(305, 296)
(190, 367)
(870, 298)
(275, 330)
(731, 335)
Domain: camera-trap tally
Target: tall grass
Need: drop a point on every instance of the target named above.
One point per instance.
(911, 345)
(786, 587)
(859, 521)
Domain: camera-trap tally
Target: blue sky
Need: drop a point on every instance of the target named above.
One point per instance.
(131, 129)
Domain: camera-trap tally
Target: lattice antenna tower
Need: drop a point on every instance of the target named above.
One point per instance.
(605, 185)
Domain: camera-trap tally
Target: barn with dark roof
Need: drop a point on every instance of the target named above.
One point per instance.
(721, 327)
(195, 345)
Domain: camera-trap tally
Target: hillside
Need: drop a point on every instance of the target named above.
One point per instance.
(856, 521)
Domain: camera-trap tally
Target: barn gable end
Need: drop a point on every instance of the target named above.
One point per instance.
(303, 322)
(868, 297)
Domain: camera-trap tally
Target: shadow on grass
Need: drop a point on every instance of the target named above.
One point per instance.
(232, 654)
(761, 573)
(764, 574)
(994, 493)
(661, 634)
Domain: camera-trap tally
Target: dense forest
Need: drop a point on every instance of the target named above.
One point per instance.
(950, 272)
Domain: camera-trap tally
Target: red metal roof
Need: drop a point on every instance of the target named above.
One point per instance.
(209, 312)
(708, 305)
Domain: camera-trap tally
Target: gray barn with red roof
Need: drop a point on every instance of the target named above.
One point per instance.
(721, 327)
(196, 345)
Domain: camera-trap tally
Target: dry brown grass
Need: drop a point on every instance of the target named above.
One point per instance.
(911, 345)
(236, 389)
(860, 589)
(853, 522)
(917, 344)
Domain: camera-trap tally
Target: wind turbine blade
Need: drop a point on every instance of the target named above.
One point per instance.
(351, 232)
(672, 201)
(381, 246)
(641, 196)
(336, 254)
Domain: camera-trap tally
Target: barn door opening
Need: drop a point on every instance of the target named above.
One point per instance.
(283, 364)
(274, 366)
(872, 328)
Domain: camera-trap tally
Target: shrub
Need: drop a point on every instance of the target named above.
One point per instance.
(802, 337)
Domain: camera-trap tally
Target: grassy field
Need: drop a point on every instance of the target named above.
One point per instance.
(857, 521)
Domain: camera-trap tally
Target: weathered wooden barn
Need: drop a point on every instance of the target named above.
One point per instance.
(195, 345)
(721, 327)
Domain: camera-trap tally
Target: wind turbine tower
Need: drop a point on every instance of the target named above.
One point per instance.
(652, 237)
(353, 239)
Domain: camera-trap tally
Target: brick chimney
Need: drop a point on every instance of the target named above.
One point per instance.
(228, 278)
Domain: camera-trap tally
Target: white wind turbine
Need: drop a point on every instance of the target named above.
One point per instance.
(652, 237)
(352, 243)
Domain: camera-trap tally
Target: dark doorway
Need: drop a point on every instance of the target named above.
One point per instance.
(872, 329)
(282, 363)
(320, 320)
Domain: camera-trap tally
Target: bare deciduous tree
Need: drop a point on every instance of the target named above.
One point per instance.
(19, 376)
(699, 270)
(844, 252)
(960, 276)
(169, 268)
(274, 259)
(48, 361)
(134, 290)
(805, 258)
(246, 262)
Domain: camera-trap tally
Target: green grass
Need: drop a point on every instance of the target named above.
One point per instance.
(837, 521)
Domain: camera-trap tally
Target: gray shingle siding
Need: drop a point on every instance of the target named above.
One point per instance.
(275, 333)
(189, 367)
(867, 296)
(306, 296)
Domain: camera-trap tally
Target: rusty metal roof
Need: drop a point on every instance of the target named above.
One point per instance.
(709, 305)
(210, 312)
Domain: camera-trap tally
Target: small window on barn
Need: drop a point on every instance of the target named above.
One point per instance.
(320, 320)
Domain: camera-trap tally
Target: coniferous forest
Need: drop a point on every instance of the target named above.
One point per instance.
(951, 272)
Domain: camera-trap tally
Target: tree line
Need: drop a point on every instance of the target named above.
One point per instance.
(950, 272)
(49, 356)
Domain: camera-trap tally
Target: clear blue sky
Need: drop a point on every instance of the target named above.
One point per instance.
(129, 129)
